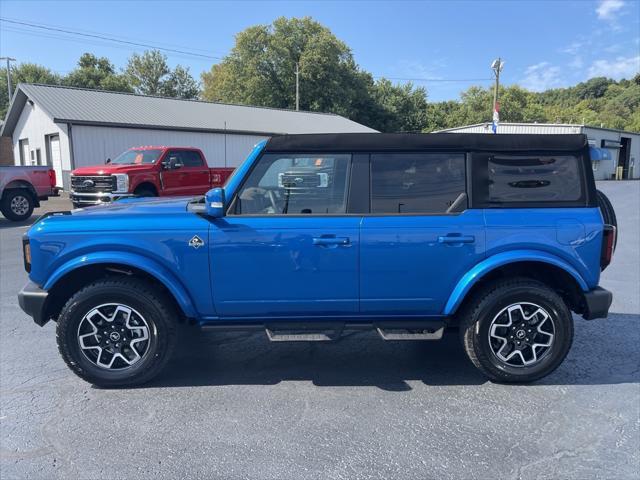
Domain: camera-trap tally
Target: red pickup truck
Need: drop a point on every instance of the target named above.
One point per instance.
(146, 172)
(22, 188)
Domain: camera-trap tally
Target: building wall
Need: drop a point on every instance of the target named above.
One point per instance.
(35, 125)
(518, 128)
(6, 151)
(604, 170)
(92, 145)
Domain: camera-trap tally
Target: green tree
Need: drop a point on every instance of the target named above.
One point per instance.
(24, 73)
(403, 107)
(260, 70)
(150, 74)
(98, 73)
(180, 84)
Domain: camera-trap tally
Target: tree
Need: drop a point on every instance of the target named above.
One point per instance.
(180, 84)
(403, 107)
(260, 70)
(24, 73)
(147, 71)
(98, 73)
(150, 74)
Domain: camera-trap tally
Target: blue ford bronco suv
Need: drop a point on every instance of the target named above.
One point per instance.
(500, 237)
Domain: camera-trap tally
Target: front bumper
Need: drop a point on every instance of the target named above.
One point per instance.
(82, 198)
(597, 303)
(32, 300)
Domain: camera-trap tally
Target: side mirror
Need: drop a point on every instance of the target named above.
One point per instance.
(175, 163)
(215, 202)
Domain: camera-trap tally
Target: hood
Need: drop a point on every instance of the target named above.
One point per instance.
(137, 206)
(109, 169)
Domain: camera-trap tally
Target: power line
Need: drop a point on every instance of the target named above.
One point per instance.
(406, 79)
(107, 38)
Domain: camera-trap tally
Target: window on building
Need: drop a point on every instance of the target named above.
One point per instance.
(295, 184)
(427, 183)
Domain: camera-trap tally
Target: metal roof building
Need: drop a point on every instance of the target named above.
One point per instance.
(613, 153)
(73, 127)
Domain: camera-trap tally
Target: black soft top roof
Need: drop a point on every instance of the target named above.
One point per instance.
(355, 142)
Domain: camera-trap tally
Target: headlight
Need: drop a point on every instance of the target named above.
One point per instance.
(122, 183)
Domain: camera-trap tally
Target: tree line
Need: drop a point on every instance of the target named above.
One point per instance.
(260, 68)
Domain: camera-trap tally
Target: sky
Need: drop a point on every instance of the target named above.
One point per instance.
(445, 46)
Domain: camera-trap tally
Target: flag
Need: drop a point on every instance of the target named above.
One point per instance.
(496, 117)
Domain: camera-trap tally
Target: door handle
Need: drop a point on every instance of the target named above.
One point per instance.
(456, 239)
(331, 241)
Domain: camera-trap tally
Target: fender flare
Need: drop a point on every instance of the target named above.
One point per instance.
(495, 261)
(148, 265)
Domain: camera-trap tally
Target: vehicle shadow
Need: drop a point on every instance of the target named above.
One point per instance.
(600, 355)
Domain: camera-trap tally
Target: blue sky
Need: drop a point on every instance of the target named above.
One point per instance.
(545, 43)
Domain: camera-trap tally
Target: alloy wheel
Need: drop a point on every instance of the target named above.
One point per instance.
(113, 336)
(522, 334)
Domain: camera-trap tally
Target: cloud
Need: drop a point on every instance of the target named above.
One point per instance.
(621, 67)
(541, 76)
(577, 62)
(607, 9)
(574, 48)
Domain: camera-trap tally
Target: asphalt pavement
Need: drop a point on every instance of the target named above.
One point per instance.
(232, 405)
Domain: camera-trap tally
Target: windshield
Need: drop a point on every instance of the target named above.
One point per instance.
(137, 157)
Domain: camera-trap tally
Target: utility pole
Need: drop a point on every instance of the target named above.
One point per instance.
(297, 86)
(8, 59)
(496, 66)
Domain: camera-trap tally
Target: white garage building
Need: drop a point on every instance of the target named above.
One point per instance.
(69, 128)
(613, 152)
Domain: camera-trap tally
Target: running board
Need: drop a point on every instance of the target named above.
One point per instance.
(405, 334)
(285, 335)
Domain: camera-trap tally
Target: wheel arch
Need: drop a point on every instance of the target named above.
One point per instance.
(22, 185)
(542, 266)
(76, 273)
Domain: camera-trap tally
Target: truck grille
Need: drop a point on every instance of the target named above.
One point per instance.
(90, 184)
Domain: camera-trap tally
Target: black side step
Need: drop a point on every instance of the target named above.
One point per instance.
(411, 334)
(289, 333)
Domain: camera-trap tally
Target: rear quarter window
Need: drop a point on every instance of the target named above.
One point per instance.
(521, 180)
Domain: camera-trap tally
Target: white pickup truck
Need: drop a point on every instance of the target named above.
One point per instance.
(22, 188)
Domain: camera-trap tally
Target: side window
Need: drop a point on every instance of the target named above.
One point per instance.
(283, 184)
(418, 183)
(528, 179)
(191, 159)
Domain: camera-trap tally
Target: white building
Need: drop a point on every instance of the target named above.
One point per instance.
(610, 148)
(69, 128)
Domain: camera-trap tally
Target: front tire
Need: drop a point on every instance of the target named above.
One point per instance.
(17, 204)
(516, 330)
(116, 332)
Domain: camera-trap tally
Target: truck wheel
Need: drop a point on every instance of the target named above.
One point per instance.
(516, 330)
(116, 332)
(17, 204)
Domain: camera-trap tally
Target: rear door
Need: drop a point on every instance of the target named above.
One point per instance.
(420, 237)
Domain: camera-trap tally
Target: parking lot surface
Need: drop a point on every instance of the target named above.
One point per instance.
(232, 405)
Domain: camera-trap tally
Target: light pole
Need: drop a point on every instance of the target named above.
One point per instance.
(297, 86)
(8, 59)
(496, 66)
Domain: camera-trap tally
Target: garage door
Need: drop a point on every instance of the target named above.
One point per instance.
(56, 160)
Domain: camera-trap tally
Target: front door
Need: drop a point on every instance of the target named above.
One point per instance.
(55, 159)
(419, 238)
(286, 247)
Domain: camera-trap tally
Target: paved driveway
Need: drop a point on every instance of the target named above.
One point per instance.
(235, 406)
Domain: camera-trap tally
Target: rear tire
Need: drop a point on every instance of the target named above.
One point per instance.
(17, 204)
(511, 316)
(116, 332)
